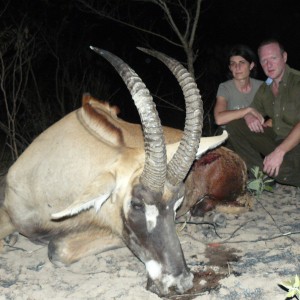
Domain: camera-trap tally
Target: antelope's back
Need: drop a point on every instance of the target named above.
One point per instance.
(65, 158)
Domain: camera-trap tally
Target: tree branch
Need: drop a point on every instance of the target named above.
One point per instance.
(133, 26)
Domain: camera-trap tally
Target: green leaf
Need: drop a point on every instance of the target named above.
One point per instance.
(268, 188)
(254, 185)
(287, 284)
(268, 180)
(291, 294)
(255, 171)
(261, 182)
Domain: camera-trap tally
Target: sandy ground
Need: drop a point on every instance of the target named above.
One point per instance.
(245, 259)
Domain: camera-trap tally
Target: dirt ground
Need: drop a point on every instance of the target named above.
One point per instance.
(245, 258)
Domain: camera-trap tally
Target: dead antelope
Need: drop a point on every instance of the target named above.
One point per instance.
(92, 182)
(217, 180)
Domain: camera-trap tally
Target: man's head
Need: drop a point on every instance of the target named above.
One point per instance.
(272, 57)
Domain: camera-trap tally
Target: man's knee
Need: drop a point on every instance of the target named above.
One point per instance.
(290, 169)
(289, 178)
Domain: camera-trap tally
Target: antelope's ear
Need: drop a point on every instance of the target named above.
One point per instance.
(207, 143)
(94, 196)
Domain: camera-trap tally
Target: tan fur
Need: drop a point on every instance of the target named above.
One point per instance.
(81, 163)
(243, 203)
(67, 170)
(30, 175)
(100, 117)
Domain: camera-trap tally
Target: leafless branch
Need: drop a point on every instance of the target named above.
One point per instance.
(186, 36)
(90, 8)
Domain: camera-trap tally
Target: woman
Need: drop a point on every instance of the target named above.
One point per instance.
(235, 95)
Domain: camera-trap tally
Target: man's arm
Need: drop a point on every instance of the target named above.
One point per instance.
(273, 161)
(255, 121)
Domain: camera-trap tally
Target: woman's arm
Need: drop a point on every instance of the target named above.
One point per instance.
(224, 116)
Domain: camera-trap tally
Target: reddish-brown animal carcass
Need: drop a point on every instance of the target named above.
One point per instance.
(217, 178)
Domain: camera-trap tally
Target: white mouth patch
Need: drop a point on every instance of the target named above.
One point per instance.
(151, 214)
(154, 269)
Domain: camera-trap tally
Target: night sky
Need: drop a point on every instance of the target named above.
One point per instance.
(249, 22)
(222, 23)
(69, 31)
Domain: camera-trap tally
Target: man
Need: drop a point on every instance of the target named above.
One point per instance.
(272, 145)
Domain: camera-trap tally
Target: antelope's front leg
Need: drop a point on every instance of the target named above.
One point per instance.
(69, 248)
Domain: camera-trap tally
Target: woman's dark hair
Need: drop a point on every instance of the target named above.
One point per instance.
(245, 52)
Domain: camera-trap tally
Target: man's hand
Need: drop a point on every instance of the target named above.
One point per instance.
(268, 123)
(254, 121)
(272, 162)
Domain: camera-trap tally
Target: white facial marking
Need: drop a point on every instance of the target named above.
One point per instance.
(154, 269)
(151, 213)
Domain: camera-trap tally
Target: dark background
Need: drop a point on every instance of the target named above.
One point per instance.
(64, 67)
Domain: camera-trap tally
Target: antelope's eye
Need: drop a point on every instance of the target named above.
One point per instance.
(137, 204)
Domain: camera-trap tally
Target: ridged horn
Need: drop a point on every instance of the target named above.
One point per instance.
(182, 160)
(154, 173)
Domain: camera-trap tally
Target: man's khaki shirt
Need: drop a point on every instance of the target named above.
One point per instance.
(284, 109)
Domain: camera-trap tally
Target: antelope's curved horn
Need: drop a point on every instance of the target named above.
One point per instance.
(182, 160)
(154, 173)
